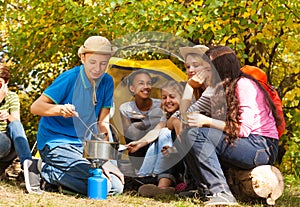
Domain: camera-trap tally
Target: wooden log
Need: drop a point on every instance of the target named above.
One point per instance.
(264, 181)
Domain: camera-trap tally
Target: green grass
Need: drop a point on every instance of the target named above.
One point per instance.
(14, 194)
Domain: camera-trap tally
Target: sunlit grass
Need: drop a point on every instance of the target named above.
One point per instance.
(14, 194)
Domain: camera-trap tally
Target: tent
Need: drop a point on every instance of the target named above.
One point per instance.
(161, 70)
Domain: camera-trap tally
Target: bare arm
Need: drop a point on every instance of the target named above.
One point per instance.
(150, 137)
(200, 79)
(186, 99)
(170, 122)
(44, 106)
(103, 121)
(200, 120)
(14, 115)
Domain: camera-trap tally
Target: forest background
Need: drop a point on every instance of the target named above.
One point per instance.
(40, 39)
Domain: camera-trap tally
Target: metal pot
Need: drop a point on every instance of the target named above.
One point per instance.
(95, 149)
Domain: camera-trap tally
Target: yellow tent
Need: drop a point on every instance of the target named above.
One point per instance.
(160, 70)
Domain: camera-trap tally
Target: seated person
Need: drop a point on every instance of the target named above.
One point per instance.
(240, 133)
(140, 117)
(88, 89)
(169, 168)
(195, 98)
(13, 140)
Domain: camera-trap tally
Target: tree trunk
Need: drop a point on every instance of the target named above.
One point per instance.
(264, 181)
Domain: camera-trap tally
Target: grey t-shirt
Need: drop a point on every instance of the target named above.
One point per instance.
(141, 122)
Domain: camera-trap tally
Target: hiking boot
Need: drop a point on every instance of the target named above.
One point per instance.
(150, 190)
(32, 176)
(221, 199)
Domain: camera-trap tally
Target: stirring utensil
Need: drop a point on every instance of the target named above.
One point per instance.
(77, 115)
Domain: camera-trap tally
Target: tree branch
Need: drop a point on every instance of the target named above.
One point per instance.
(286, 85)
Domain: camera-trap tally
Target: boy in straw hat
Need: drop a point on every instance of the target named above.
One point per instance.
(81, 94)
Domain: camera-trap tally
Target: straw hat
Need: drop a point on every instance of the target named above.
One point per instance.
(97, 44)
(197, 49)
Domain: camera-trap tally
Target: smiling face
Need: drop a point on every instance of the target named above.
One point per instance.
(94, 64)
(170, 100)
(141, 86)
(194, 64)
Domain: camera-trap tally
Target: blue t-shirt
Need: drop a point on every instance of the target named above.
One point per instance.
(73, 87)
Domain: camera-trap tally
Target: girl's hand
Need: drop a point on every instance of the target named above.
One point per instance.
(164, 151)
(198, 120)
(167, 150)
(200, 78)
(135, 146)
(4, 115)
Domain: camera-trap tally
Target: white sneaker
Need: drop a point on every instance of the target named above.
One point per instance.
(32, 176)
(221, 199)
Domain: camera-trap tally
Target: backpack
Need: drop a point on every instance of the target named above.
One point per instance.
(261, 76)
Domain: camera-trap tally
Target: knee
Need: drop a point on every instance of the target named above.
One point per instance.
(15, 123)
(194, 134)
(164, 132)
(12, 126)
(165, 135)
(190, 135)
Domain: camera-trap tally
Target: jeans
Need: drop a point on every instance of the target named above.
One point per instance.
(14, 140)
(209, 150)
(152, 162)
(65, 165)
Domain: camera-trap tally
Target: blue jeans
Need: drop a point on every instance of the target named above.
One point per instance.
(14, 140)
(65, 165)
(152, 161)
(209, 150)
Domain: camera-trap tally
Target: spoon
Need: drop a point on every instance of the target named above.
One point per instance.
(77, 115)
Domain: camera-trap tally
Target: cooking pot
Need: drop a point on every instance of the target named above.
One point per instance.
(96, 145)
(100, 149)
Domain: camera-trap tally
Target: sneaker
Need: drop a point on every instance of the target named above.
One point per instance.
(221, 199)
(32, 176)
(150, 190)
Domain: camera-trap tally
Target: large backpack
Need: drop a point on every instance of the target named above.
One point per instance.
(261, 76)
